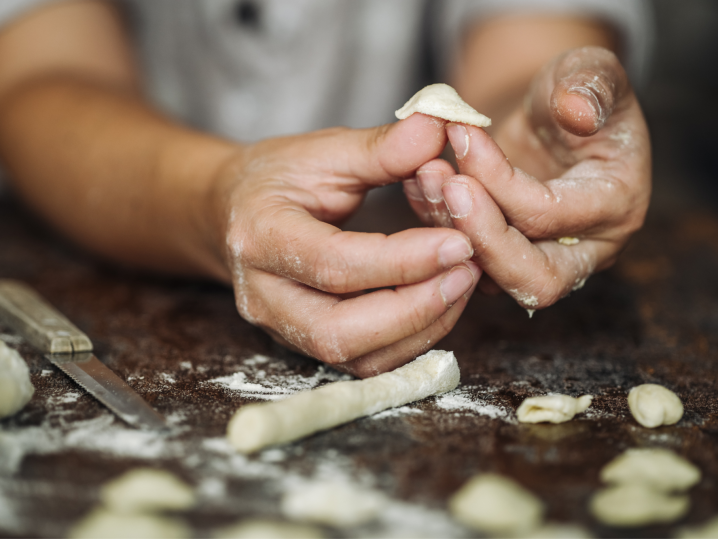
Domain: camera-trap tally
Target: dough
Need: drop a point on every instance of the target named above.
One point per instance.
(708, 530)
(496, 505)
(259, 425)
(653, 405)
(552, 408)
(104, 524)
(146, 490)
(333, 504)
(568, 240)
(266, 529)
(637, 505)
(442, 101)
(657, 468)
(16, 390)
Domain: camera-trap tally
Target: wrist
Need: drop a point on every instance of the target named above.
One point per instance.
(192, 192)
(217, 211)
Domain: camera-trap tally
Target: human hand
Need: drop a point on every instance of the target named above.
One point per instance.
(301, 279)
(583, 149)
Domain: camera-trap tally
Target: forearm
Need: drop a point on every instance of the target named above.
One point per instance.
(114, 175)
(500, 57)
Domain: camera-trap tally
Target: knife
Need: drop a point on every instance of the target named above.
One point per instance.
(45, 328)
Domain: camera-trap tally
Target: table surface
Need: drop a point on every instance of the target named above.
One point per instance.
(653, 318)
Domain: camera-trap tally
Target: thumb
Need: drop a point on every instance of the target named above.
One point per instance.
(392, 152)
(578, 93)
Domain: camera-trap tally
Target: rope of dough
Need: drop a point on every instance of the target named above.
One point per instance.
(259, 425)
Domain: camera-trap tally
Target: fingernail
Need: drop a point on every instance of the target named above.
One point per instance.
(412, 190)
(458, 199)
(456, 284)
(430, 183)
(459, 137)
(454, 251)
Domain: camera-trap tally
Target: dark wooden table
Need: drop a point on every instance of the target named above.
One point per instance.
(652, 318)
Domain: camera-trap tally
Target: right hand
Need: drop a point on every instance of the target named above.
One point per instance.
(303, 280)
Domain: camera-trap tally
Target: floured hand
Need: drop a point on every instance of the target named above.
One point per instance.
(302, 279)
(580, 170)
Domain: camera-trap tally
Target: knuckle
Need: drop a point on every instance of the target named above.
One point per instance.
(539, 226)
(415, 319)
(331, 272)
(446, 324)
(367, 370)
(329, 348)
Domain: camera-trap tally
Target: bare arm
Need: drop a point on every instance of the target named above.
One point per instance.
(500, 57)
(86, 151)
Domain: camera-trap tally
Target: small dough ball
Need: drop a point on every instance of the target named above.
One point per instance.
(16, 390)
(267, 529)
(637, 505)
(145, 490)
(104, 524)
(442, 101)
(333, 504)
(496, 505)
(657, 468)
(653, 405)
(552, 408)
(709, 530)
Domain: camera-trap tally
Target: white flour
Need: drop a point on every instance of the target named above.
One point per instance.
(396, 412)
(253, 382)
(461, 401)
(211, 464)
(66, 398)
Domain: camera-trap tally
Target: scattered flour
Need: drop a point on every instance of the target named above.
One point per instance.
(65, 398)
(253, 382)
(102, 434)
(213, 465)
(461, 401)
(396, 412)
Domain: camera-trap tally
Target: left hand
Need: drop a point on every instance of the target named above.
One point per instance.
(583, 149)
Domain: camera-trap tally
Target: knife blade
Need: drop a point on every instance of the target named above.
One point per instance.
(108, 388)
(26, 312)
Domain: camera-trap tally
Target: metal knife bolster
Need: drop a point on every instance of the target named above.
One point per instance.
(108, 388)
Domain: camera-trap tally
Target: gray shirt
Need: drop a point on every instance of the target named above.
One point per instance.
(251, 69)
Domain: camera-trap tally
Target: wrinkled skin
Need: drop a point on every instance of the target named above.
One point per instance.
(302, 279)
(572, 162)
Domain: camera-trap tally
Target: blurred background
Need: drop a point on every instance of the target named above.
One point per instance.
(681, 105)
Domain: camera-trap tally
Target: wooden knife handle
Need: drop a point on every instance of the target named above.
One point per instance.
(26, 312)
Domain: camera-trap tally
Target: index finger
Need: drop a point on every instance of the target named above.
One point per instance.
(535, 274)
(297, 246)
(591, 197)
